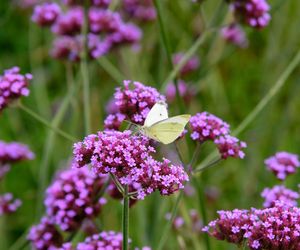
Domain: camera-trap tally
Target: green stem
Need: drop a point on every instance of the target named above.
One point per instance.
(111, 70)
(271, 93)
(50, 141)
(166, 44)
(85, 73)
(260, 106)
(117, 183)
(46, 123)
(125, 219)
(200, 40)
(207, 166)
(201, 197)
(167, 227)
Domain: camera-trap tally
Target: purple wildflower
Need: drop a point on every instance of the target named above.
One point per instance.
(46, 14)
(140, 9)
(8, 205)
(128, 158)
(206, 126)
(270, 228)
(45, 236)
(105, 240)
(126, 34)
(255, 13)
(135, 100)
(14, 152)
(73, 197)
(191, 65)
(283, 164)
(178, 221)
(230, 146)
(13, 85)
(69, 23)
(104, 21)
(114, 121)
(279, 193)
(234, 34)
(184, 91)
(197, 224)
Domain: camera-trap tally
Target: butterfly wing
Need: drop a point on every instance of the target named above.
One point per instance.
(158, 113)
(168, 130)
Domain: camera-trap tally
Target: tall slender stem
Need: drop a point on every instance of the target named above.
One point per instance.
(125, 219)
(46, 123)
(167, 227)
(84, 72)
(166, 44)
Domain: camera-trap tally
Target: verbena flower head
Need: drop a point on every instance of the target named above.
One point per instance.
(46, 13)
(70, 47)
(70, 22)
(128, 158)
(206, 126)
(283, 164)
(13, 85)
(45, 236)
(230, 146)
(185, 92)
(105, 240)
(191, 65)
(14, 152)
(104, 21)
(279, 193)
(140, 9)
(234, 34)
(135, 100)
(8, 205)
(270, 228)
(73, 197)
(255, 13)
(114, 121)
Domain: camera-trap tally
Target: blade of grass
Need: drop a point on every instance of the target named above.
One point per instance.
(85, 73)
(111, 70)
(46, 123)
(282, 79)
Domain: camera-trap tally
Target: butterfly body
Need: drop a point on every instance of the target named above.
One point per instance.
(159, 127)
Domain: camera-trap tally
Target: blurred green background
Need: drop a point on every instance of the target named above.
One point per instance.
(230, 81)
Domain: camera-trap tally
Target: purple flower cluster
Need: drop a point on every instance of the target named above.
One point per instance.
(185, 91)
(255, 13)
(129, 158)
(73, 197)
(283, 164)
(13, 85)
(140, 9)
(106, 29)
(105, 240)
(8, 205)
(14, 152)
(234, 34)
(46, 14)
(276, 228)
(230, 146)
(114, 121)
(206, 127)
(135, 100)
(45, 236)
(191, 65)
(279, 193)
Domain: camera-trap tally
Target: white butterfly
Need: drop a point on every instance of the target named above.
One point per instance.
(158, 126)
